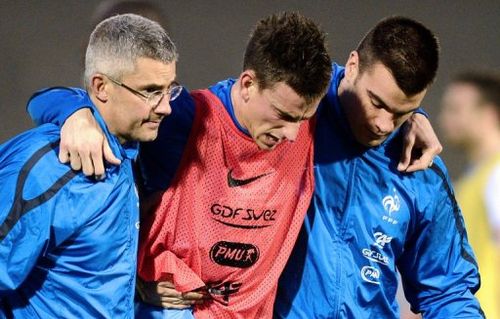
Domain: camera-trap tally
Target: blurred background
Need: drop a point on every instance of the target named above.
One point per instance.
(42, 42)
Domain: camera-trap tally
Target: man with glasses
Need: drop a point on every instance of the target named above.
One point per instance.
(68, 243)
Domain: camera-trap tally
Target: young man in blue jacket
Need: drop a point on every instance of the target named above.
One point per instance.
(68, 243)
(367, 220)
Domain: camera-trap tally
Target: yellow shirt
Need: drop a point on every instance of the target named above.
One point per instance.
(470, 193)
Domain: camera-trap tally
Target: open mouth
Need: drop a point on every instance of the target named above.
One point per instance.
(271, 140)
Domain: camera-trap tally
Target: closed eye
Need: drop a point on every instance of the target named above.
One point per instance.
(376, 104)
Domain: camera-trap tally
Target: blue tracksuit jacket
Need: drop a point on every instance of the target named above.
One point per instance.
(365, 222)
(68, 243)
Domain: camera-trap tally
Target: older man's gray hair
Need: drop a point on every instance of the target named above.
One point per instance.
(117, 42)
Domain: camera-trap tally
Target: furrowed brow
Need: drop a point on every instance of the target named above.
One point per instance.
(287, 116)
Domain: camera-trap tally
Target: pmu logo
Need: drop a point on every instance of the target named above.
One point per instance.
(234, 254)
(370, 274)
(381, 239)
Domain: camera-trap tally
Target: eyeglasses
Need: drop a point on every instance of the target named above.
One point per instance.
(153, 99)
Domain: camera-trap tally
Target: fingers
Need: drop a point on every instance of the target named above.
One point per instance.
(75, 161)
(182, 302)
(63, 155)
(165, 295)
(176, 303)
(194, 296)
(409, 142)
(83, 145)
(108, 154)
(98, 164)
(421, 145)
(87, 165)
(166, 288)
(165, 284)
(425, 161)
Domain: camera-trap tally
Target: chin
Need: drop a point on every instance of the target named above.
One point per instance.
(265, 147)
(148, 137)
(371, 143)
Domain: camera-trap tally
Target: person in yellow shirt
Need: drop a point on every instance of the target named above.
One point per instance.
(470, 120)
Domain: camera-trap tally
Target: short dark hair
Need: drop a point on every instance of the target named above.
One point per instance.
(486, 82)
(290, 48)
(406, 47)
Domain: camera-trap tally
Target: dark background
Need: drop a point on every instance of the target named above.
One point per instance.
(42, 42)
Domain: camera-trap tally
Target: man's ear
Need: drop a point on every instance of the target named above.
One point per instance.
(98, 87)
(352, 66)
(247, 84)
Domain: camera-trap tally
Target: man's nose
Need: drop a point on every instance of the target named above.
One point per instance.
(384, 123)
(164, 107)
(291, 130)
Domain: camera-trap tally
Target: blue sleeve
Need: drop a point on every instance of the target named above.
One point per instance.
(160, 159)
(24, 224)
(56, 104)
(421, 110)
(438, 269)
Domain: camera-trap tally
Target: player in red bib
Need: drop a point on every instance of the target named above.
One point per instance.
(228, 221)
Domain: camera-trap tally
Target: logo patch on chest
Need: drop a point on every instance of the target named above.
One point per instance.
(246, 218)
(370, 274)
(233, 182)
(238, 255)
(391, 204)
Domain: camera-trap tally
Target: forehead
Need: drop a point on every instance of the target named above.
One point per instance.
(379, 81)
(285, 99)
(148, 70)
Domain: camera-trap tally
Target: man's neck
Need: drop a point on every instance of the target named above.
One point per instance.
(238, 106)
(106, 116)
(343, 94)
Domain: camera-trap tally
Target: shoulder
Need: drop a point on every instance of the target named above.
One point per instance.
(24, 145)
(430, 179)
(433, 188)
(31, 160)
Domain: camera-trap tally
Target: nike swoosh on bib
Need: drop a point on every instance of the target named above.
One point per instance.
(233, 182)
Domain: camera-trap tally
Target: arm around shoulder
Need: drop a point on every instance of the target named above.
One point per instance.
(438, 269)
(56, 104)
